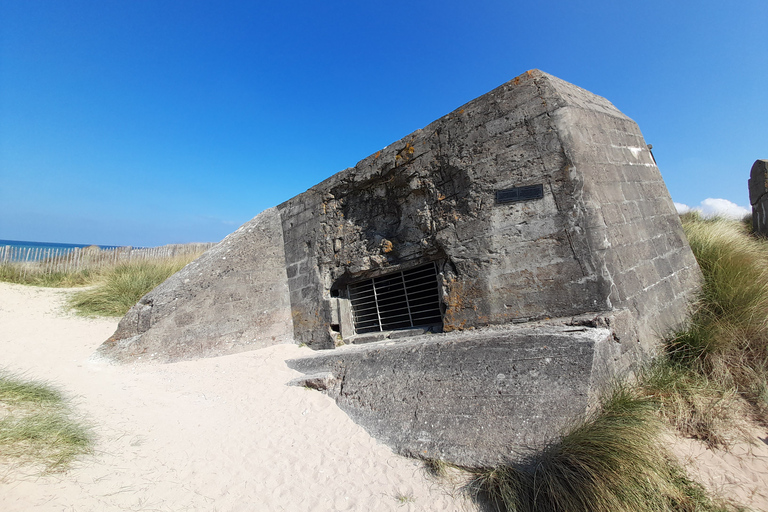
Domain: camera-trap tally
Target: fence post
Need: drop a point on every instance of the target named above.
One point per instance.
(24, 263)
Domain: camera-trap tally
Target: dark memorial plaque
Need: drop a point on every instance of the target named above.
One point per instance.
(515, 194)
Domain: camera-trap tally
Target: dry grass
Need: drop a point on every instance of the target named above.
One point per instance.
(118, 288)
(612, 462)
(14, 273)
(727, 339)
(695, 405)
(113, 288)
(83, 267)
(37, 427)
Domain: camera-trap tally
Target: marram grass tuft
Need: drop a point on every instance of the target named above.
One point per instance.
(727, 339)
(118, 288)
(37, 426)
(612, 462)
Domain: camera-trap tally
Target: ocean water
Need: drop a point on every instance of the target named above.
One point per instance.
(18, 245)
(48, 245)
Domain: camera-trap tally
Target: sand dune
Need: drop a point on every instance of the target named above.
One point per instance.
(228, 434)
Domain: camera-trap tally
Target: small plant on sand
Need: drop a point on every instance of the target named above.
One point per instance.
(437, 467)
(118, 288)
(403, 498)
(37, 427)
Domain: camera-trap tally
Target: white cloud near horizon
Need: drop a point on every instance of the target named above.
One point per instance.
(711, 207)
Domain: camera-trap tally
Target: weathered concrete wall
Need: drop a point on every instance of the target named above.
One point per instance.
(233, 298)
(626, 218)
(758, 196)
(472, 398)
(604, 236)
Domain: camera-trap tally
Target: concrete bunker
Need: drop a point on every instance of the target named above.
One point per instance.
(532, 226)
(758, 196)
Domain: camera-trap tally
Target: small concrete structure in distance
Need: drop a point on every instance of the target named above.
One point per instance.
(476, 284)
(758, 196)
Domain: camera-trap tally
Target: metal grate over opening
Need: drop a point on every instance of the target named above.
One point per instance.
(404, 299)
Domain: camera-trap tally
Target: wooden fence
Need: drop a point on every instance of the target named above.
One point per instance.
(42, 260)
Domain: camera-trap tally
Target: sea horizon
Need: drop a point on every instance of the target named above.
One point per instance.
(27, 244)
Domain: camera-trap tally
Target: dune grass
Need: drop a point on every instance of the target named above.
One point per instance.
(37, 426)
(118, 288)
(114, 285)
(727, 339)
(695, 405)
(14, 273)
(611, 462)
(111, 289)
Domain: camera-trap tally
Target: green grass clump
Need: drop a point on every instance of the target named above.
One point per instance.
(697, 406)
(14, 273)
(118, 288)
(727, 339)
(437, 467)
(37, 427)
(612, 462)
(113, 288)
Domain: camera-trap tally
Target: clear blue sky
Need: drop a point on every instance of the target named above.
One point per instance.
(146, 122)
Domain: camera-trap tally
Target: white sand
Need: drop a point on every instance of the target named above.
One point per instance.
(221, 434)
(739, 474)
(228, 434)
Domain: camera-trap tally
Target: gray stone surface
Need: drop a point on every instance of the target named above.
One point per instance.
(320, 381)
(758, 196)
(469, 398)
(233, 298)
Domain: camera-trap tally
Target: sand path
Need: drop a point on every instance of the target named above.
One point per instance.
(228, 434)
(220, 434)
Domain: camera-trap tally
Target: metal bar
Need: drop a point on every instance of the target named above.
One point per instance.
(407, 304)
(403, 299)
(375, 298)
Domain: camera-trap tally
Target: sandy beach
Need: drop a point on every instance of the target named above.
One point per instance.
(222, 434)
(228, 434)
